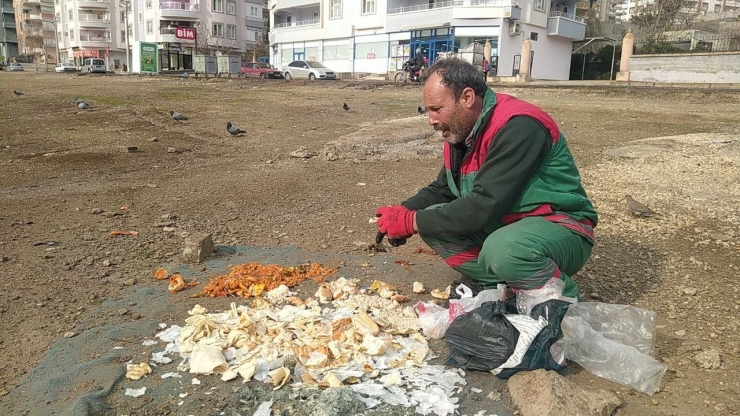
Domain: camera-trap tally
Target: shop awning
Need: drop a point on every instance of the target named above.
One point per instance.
(426, 26)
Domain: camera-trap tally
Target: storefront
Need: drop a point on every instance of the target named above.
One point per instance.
(174, 57)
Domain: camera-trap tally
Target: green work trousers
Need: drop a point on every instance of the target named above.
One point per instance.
(523, 255)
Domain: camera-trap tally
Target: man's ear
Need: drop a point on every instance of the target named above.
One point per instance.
(467, 98)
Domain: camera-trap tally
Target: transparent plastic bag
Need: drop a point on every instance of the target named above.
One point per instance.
(614, 342)
(526, 300)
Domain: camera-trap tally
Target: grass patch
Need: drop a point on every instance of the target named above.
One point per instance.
(175, 95)
(110, 101)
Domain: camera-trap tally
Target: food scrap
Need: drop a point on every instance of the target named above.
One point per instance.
(116, 233)
(137, 371)
(177, 283)
(406, 265)
(441, 294)
(250, 279)
(161, 274)
(418, 287)
(422, 250)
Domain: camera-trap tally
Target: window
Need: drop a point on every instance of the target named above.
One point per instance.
(368, 6)
(71, 34)
(70, 15)
(123, 17)
(336, 9)
(123, 36)
(717, 8)
(149, 27)
(336, 52)
(230, 7)
(230, 32)
(533, 36)
(704, 7)
(252, 33)
(374, 50)
(130, 32)
(217, 6)
(316, 17)
(141, 17)
(107, 35)
(148, 4)
(253, 11)
(218, 30)
(57, 18)
(539, 5)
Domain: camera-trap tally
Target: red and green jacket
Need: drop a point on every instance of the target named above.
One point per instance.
(515, 164)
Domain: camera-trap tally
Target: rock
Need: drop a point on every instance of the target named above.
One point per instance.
(106, 263)
(96, 211)
(169, 229)
(302, 152)
(110, 214)
(122, 312)
(708, 359)
(69, 334)
(545, 393)
(172, 150)
(129, 149)
(595, 295)
(689, 291)
(197, 248)
(680, 332)
(169, 217)
(129, 282)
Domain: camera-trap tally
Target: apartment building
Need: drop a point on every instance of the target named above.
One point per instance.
(8, 34)
(377, 36)
(99, 28)
(35, 31)
(626, 9)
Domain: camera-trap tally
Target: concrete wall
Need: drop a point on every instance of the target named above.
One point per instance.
(718, 67)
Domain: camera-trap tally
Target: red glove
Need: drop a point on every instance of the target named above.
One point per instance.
(396, 221)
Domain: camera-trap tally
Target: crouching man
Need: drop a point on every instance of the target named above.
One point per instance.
(508, 205)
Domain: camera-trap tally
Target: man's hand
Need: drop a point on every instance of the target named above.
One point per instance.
(396, 221)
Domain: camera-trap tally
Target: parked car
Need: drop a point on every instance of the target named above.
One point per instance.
(90, 65)
(65, 67)
(15, 66)
(2, 66)
(307, 69)
(260, 69)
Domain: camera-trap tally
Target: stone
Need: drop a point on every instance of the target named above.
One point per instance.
(69, 334)
(302, 152)
(680, 332)
(129, 149)
(338, 401)
(129, 282)
(546, 393)
(709, 359)
(197, 248)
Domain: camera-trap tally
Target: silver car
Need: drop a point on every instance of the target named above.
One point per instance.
(15, 66)
(307, 69)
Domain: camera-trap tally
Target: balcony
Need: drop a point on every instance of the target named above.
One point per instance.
(93, 20)
(31, 16)
(287, 4)
(95, 40)
(566, 26)
(33, 32)
(301, 23)
(31, 2)
(178, 9)
(412, 14)
(93, 4)
(9, 24)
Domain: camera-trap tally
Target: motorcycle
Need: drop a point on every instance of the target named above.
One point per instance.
(408, 74)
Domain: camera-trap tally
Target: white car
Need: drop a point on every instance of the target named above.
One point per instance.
(307, 69)
(15, 66)
(65, 67)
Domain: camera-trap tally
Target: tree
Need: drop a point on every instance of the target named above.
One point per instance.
(655, 19)
(213, 44)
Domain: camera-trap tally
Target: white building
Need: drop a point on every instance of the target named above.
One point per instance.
(377, 36)
(98, 28)
(626, 9)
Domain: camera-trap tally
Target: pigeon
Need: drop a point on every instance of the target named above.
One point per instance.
(177, 116)
(233, 130)
(637, 208)
(422, 110)
(345, 107)
(16, 92)
(78, 100)
(83, 105)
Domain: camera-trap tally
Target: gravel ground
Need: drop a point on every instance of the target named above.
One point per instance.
(68, 179)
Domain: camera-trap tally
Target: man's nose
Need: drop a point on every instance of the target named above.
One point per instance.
(432, 118)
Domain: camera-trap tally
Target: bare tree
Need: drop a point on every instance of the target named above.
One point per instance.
(653, 20)
(258, 48)
(210, 43)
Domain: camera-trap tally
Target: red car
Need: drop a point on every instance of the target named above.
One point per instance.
(260, 69)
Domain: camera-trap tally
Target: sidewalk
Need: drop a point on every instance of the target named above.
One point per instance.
(614, 84)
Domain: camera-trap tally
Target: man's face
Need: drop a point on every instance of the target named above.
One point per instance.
(452, 117)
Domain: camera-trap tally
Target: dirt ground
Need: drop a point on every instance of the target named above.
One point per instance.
(66, 176)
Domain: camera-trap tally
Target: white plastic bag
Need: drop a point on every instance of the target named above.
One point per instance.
(435, 320)
(614, 342)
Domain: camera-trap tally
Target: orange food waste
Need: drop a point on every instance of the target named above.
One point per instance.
(115, 233)
(161, 274)
(250, 279)
(422, 250)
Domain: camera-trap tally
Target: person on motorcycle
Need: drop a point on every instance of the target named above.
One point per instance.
(508, 205)
(416, 62)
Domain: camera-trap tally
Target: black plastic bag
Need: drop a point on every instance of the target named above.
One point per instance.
(482, 339)
(538, 355)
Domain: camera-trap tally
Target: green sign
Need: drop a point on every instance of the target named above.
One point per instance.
(149, 58)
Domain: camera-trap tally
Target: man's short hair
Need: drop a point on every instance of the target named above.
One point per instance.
(457, 75)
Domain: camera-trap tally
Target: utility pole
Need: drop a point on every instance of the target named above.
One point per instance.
(125, 6)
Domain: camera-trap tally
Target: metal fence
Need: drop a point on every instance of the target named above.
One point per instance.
(688, 42)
